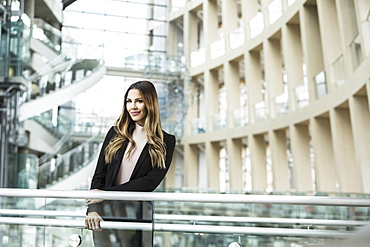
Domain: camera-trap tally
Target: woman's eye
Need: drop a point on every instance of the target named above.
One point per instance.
(128, 101)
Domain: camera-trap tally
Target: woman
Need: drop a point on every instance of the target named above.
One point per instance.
(135, 156)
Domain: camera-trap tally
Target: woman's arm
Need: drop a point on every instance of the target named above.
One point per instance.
(153, 178)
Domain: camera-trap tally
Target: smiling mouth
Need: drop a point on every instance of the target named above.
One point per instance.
(134, 113)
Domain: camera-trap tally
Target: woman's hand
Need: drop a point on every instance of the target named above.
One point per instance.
(92, 221)
(92, 201)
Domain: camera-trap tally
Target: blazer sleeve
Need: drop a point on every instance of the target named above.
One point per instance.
(98, 179)
(150, 181)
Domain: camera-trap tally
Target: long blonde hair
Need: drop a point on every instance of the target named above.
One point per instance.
(125, 126)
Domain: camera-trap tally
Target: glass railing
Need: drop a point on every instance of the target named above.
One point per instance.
(63, 165)
(72, 63)
(339, 71)
(217, 48)
(256, 25)
(47, 34)
(241, 117)
(198, 57)
(237, 38)
(275, 10)
(54, 218)
(198, 125)
(260, 111)
(281, 104)
(321, 85)
(302, 96)
(356, 52)
(219, 122)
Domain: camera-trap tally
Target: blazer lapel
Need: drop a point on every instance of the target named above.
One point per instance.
(117, 162)
(143, 155)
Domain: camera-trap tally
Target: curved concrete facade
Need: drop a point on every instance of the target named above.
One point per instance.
(280, 94)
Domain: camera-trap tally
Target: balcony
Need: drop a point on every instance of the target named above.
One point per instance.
(44, 217)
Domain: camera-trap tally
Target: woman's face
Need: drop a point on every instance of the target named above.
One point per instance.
(136, 107)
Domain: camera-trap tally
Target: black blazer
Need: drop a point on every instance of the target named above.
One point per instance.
(144, 177)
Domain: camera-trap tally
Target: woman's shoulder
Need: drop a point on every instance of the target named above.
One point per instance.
(168, 137)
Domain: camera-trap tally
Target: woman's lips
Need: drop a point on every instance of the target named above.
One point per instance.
(134, 113)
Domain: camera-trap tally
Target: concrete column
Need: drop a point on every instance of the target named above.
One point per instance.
(190, 35)
(360, 118)
(323, 154)
(232, 82)
(29, 8)
(253, 80)
(213, 165)
(311, 44)
(300, 147)
(293, 59)
(273, 72)
(211, 89)
(249, 10)
(229, 19)
(191, 166)
(258, 160)
(280, 168)
(234, 148)
(210, 24)
(330, 35)
(344, 154)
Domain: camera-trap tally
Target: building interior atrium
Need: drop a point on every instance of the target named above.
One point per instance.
(268, 101)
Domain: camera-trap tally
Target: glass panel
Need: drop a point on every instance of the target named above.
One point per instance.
(260, 111)
(219, 122)
(275, 10)
(282, 104)
(302, 95)
(237, 36)
(321, 88)
(256, 25)
(240, 117)
(339, 71)
(356, 52)
(198, 125)
(217, 48)
(177, 4)
(198, 57)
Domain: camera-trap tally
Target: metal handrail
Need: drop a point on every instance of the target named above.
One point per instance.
(189, 197)
(233, 230)
(195, 218)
